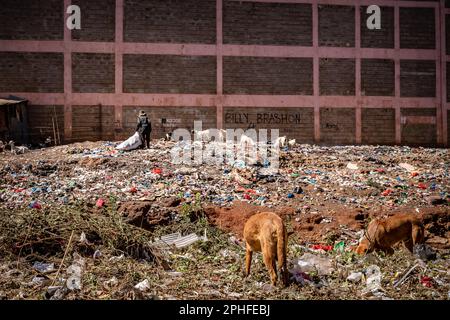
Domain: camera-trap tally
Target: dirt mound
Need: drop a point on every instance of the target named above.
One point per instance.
(170, 202)
(141, 214)
(437, 228)
(309, 226)
(232, 219)
(321, 226)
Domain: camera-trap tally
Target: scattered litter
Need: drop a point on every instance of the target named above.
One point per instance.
(407, 167)
(425, 252)
(300, 277)
(100, 203)
(355, 277)
(352, 166)
(37, 281)
(373, 279)
(234, 295)
(44, 267)
(426, 281)
(143, 285)
(313, 180)
(35, 205)
(167, 241)
(75, 272)
(116, 259)
(321, 247)
(310, 262)
(339, 247)
(97, 254)
(111, 282)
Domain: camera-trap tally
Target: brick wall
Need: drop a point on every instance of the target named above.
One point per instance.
(337, 125)
(417, 78)
(173, 21)
(244, 23)
(169, 74)
(448, 81)
(92, 123)
(336, 26)
(31, 20)
(378, 38)
(448, 125)
(337, 77)
(417, 28)
(40, 122)
(92, 72)
(378, 126)
(267, 23)
(97, 20)
(418, 134)
(31, 72)
(167, 119)
(263, 75)
(296, 123)
(377, 77)
(447, 33)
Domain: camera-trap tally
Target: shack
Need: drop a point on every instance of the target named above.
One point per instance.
(13, 120)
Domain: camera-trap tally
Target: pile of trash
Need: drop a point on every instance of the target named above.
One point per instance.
(90, 220)
(360, 176)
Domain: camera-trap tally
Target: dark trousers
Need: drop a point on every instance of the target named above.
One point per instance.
(145, 138)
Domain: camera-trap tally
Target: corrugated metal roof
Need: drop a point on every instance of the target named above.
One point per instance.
(11, 100)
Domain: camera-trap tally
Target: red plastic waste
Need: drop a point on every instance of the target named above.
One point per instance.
(426, 281)
(100, 203)
(386, 192)
(247, 196)
(157, 171)
(321, 247)
(422, 186)
(133, 190)
(35, 205)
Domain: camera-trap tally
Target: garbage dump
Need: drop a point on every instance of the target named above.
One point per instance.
(146, 227)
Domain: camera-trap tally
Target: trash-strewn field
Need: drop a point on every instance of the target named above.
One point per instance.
(86, 221)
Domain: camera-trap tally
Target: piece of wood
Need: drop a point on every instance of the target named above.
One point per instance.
(62, 261)
(57, 126)
(54, 130)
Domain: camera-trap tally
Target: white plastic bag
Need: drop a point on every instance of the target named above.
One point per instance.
(131, 143)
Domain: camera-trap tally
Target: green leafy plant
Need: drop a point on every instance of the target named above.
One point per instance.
(192, 211)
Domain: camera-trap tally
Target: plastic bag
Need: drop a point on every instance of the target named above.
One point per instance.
(131, 143)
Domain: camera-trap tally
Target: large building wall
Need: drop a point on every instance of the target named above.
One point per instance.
(311, 69)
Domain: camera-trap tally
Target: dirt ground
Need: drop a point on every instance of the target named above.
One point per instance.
(88, 205)
(310, 227)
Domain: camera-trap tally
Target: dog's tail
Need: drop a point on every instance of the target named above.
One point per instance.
(281, 252)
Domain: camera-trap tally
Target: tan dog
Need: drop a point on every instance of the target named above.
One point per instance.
(265, 232)
(382, 234)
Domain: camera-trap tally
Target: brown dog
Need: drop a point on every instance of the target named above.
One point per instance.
(382, 234)
(265, 232)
